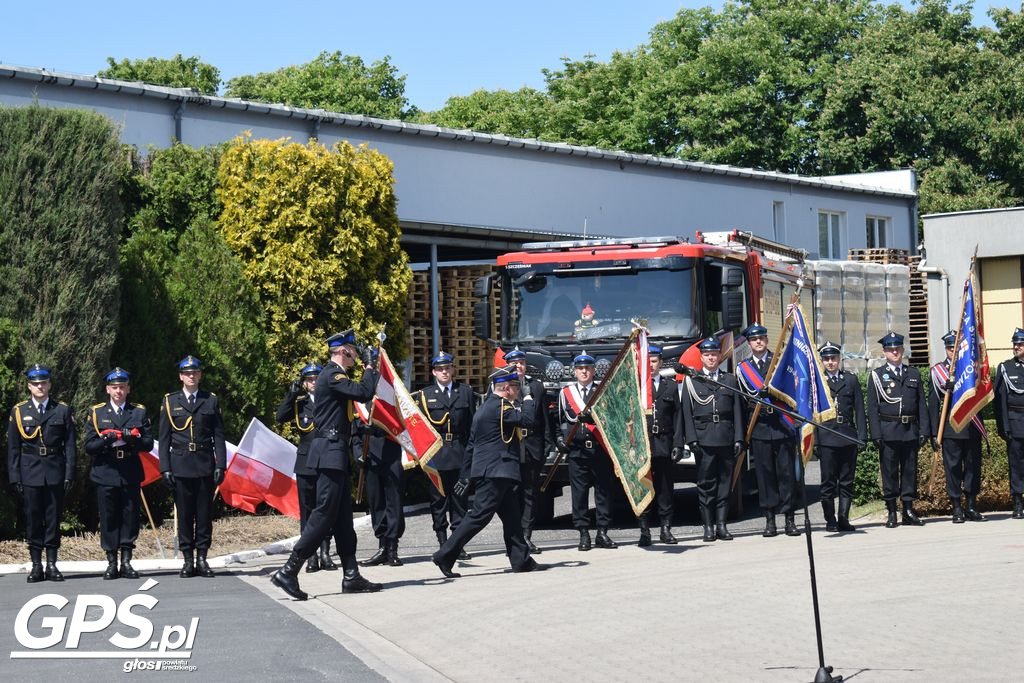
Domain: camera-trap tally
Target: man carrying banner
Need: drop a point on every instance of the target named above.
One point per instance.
(297, 408)
(898, 415)
(961, 450)
(665, 432)
(838, 456)
(1010, 417)
(495, 469)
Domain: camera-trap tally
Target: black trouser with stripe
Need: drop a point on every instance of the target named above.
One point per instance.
(714, 476)
(384, 497)
(838, 466)
(44, 506)
(1015, 455)
(661, 478)
(898, 462)
(332, 515)
(492, 496)
(775, 466)
(118, 516)
(446, 507)
(529, 490)
(961, 459)
(591, 471)
(193, 497)
(306, 484)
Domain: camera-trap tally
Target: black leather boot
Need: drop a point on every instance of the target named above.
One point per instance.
(391, 553)
(313, 563)
(202, 568)
(769, 525)
(36, 574)
(972, 513)
(721, 530)
(52, 573)
(707, 516)
(890, 521)
(844, 514)
(127, 570)
(353, 581)
(603, 541)
(326, 563)
(645, 532)
(909, 516)
(534, 550)
(828, 506)
(188, 569)
(445, 566)
(666, 536)
(287, 577)
(1018, 506)
(584, 540)
(378, 557)
(111, 572)
(958, 512)
(442, 536)
(791, 529)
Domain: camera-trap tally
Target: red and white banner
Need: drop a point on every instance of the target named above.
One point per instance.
(643, 359)
(261, 470)
(150, 465)
(734, 348)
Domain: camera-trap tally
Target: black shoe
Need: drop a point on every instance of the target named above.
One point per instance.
(828, 506)
(890, 521)
(909, 517)
(202, 568)
(313, 564)
(355, 583)
(442, 536)
(111, 572)
(391, 554)
(463, 555)
(603, 541)
(127, 570)
(36, 574)
(377, 558)
(326, 563)
(707, 516)
(721, 530)
(769, 525)
(791, 529)
(958, 512)
(844, 515)
(51, 572)
(1018, 506)
(444, 566)
(666, 536)
(645, 533)
(972, 513)
(287, 577)
(584, 540)
(188, 569)
(531, 565)
(534, 550)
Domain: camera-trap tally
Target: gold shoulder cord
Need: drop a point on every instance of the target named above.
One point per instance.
(21, 428)
(444, 420)
(95, 425)
(501, 420)
(170, 420)
(298, 423)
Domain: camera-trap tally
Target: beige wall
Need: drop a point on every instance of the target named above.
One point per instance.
(1002, 285)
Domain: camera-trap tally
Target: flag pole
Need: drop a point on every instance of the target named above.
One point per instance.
(361, 484)
(149, 514)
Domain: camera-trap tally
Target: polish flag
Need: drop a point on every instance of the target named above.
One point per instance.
(150, 465)
(260, 470)
(734, 348)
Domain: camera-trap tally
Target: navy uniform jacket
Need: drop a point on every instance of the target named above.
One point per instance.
(382, 450)
(191, 439)
(1010, 399)
(297, 409)
(665, 425)
(770, 424)
(494, 453)
(896, 407)
(452, 417)
(30, 434)
(333, 413)
(117, 465)
(535, 445)
(585, 443)
(699, 417)
(935, 399)
(849, 402)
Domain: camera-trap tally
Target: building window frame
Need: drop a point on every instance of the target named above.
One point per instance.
(878, 231)
(830, 234)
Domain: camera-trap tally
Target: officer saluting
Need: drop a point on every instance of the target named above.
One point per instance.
(665, 430)
(297, 408)
(41, 467)
(713, 417)
(1010, 417)
(898, 416)
(839, 456)
(115, 433)
(192, 460)
(961, 451)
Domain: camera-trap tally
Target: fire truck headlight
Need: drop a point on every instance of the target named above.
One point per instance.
(602, 367)
(553, 370)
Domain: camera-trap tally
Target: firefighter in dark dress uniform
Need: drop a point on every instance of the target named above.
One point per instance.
(713, 419)
(1010, 417)
(41, 468)
(665, 432)
(494, 466)
(192, 459)
(773, 442)
(961, 451)
(329, 456)
(532, 442)
(837, 455)
(115, 434)
(898, 415)
(449, 405)
(297, 408)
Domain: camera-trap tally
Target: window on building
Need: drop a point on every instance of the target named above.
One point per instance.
(779, 221)
(829, 233)
(878, 232)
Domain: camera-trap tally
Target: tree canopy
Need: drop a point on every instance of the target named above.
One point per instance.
(176, 72)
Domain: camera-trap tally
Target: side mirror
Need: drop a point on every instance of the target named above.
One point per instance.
(733, 277)
(732, 310)
(482, 318)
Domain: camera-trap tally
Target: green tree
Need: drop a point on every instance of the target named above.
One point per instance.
(176, 72)
(519, 113)
(332, 81)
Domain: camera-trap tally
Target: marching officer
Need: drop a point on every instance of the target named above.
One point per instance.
(117, 431)
(590, 466)
(449, 405)
(297, 408)
(898, 416)
(41, 467)
(773, 442)
(329, 456)
(961, 451)
(532, 442)
(713, 417)
(192, 459)
(665, 432)
(1010, 417)
(839, 456)
(495, 468)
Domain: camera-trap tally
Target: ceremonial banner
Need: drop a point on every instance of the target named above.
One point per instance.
(262, 471)
(972, 382)
(798, 380)
(150, 465)
(618, 412)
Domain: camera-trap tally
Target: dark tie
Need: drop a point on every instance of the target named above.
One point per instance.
(192, 401)
(119, 411)
(448, 391)
(586, 394)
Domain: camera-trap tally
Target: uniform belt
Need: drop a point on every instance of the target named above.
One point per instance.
(841, 420)
(523, 432)
(589, 444)
(654, 428)
(120, 453)
(42, 451)
(902, 419)
(192, 447)
(768, 410)
(715, 418)
(1016, 409)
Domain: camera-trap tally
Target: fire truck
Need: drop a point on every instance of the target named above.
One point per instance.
(555, 300)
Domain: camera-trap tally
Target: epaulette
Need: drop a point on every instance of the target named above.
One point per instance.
(61, 403)
(139, 405)
(98, 405)
(167, 395)
(18, 405)
(213, 394)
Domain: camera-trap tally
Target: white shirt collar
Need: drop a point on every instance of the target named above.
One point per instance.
(41, 406)
(895, 368)
(187, 394)
(444, 387)
(118, 407)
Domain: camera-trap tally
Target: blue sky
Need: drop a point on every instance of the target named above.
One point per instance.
(445, 48)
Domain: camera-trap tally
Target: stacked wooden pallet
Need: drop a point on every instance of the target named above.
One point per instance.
(884, 256)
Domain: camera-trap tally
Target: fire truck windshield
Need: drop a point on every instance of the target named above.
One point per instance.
(581, 306)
